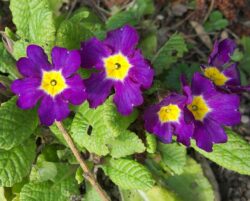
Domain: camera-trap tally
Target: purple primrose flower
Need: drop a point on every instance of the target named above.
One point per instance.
(210, 110)
(120, 65)
(54, 84)
(224, 73)
(167, 118)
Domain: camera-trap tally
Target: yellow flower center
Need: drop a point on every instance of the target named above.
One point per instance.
(53, 82)
(215, 75)
(199, 108)
(169, 113)
(117, 66)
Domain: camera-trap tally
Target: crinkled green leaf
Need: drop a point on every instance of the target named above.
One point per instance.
(16, 124)
(233, 155)
(7, 63)
(157, 193)
(173, 156)
(148, 45)
(191, 184)
(126, 144)
(63, 189)
(169, 53)
(2, 196)
(19, 49)
(91, 194)
(16, 163)
(43, 171)
(128, 174)
(34, 22)
(245, 62)
(151, 143)
(93, 128)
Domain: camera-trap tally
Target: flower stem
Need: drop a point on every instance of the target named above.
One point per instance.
(87, 173)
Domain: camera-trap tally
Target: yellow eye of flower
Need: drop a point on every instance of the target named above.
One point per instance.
(169, 113)
(53, 82)
(117, 66)
(215, 75)
(199, 108)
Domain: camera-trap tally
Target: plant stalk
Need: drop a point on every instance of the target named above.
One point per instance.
(87, 173)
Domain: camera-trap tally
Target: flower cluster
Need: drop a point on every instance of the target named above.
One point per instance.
(205, 107)
(117, 61)
(199, 113)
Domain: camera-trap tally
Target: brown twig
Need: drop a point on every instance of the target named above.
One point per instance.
(87, 173)
(209, 11)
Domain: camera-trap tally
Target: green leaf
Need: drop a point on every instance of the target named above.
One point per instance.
(43, 171)
(63, 189)
(126, 144)
(237, 56)
(94, 128)
(2, 196)
(79, 175)
(16, 125)
(156, 193)
(173, 78)
(215, 22)
(16, 163)
(173, 156)
(7, 63)
(121, 18)
(34, 21)
(72, 32)
(191, 184)
(233, 155)
(169, 53)
(151, 143)
(129, 174)
(91, 194)
(148, 45)
(19, 49)
(245, 62)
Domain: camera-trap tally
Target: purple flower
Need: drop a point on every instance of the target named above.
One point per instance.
(120, 65)
(221, 70)
(210, 110)
(54, 84)
(167, 118)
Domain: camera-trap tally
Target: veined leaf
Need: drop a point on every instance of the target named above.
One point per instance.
(62, 189)
(94, 128)
(169, 53)
(233, 155)
(128, 174)
(126, 144)
(173, 156)
(191, 184)
(91, 194)
(156, 193)
(16, 124)
(151, 143)
(7, 63)
(16, 163)
(34, 22)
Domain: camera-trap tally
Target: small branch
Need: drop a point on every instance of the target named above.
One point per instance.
(87, 173)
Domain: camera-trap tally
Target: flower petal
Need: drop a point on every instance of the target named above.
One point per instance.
(28, 68)
(123, 39)
(141, 72)
(215, 131)
(221, 52)
(184, 131)
(202, 86)
(38, 56)
(68, 61)
(52, 109)
(203, 139)
(127, 96)
(97, 88)
(76, 93)
(233, 73)
(225, 108)
(92, 52)
(27, 91)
